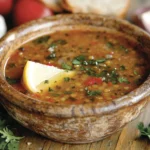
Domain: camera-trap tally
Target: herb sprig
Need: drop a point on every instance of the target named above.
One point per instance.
(144, 131)
(8, 140)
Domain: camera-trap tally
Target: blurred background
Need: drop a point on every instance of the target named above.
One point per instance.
(16, 12)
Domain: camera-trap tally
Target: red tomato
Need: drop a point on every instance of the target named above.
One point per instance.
(93, 80)
(26, 10)
(5, 6)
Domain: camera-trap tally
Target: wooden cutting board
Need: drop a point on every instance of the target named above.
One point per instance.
(126, 139)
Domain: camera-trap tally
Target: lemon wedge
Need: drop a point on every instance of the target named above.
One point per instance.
(38, 77)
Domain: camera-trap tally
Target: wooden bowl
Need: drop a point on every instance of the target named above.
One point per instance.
(81, 123)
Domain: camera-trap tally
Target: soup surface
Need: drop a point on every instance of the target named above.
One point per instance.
(107, 66)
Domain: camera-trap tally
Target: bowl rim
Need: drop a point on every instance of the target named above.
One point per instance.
(9, 94)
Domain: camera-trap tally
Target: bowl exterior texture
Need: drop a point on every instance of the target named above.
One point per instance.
(76, 129)
(82, 123)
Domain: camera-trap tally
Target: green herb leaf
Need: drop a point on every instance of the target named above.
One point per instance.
(135, 72)
(46, 82)
(13, 145)
(8, 141)
(144, 131)
(109, 45)
(50, 89)
(41, 40)
(66, 66)
(123, 80)
(76, 62)
(51, 56)
(68, 92)
(124, 49)
(66, 79)
(122, 67)
(12, 81)
(92, 93)
(80, 57)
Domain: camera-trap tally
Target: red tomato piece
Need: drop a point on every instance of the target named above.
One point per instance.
(5, 6)
(27, 10)
(93, 80)
(50, 100)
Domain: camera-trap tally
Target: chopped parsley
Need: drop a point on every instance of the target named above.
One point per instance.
(41, 40)
(124, 49)
(51, 56)
(68, 92)
(12, 81)
(50, 89)
(81, 60)
(46, 82)
(109, 45)
(92, 93)
(135, 72)
(66, 79)
(123, 80)
(66, 66)
(122, 67)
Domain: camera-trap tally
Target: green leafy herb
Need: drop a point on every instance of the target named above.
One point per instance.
(51, 56)
(122, 67)
(46, 82)
(61, 42)
(109, 45)
(68, 92)
(66, 66)
(41, 40)
(123, 80)
(8, 141)
(76, 62)
(124, 49)
(144, 131)
(55, 43)
(50, 89)
(135, 72)
(92, 93)
(66, 79)
(12, 81)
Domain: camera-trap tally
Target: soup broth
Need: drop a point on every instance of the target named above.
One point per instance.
(107, 66)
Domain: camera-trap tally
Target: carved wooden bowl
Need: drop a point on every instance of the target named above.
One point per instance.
(82, 123)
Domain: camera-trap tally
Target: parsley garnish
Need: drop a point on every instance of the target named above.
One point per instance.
(123, 80)
(50, 89)
(68, 92)
(51, 56)
(122, 67)
(109, 45)
(66, 66)
(41, 40)
(144, 131)
(124, 49)
(46, 82)
(12, 81)
(92, 93)
(135, 72)
(66, 79)
(8, 141)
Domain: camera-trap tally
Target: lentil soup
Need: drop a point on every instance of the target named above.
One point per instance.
(106, 68)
